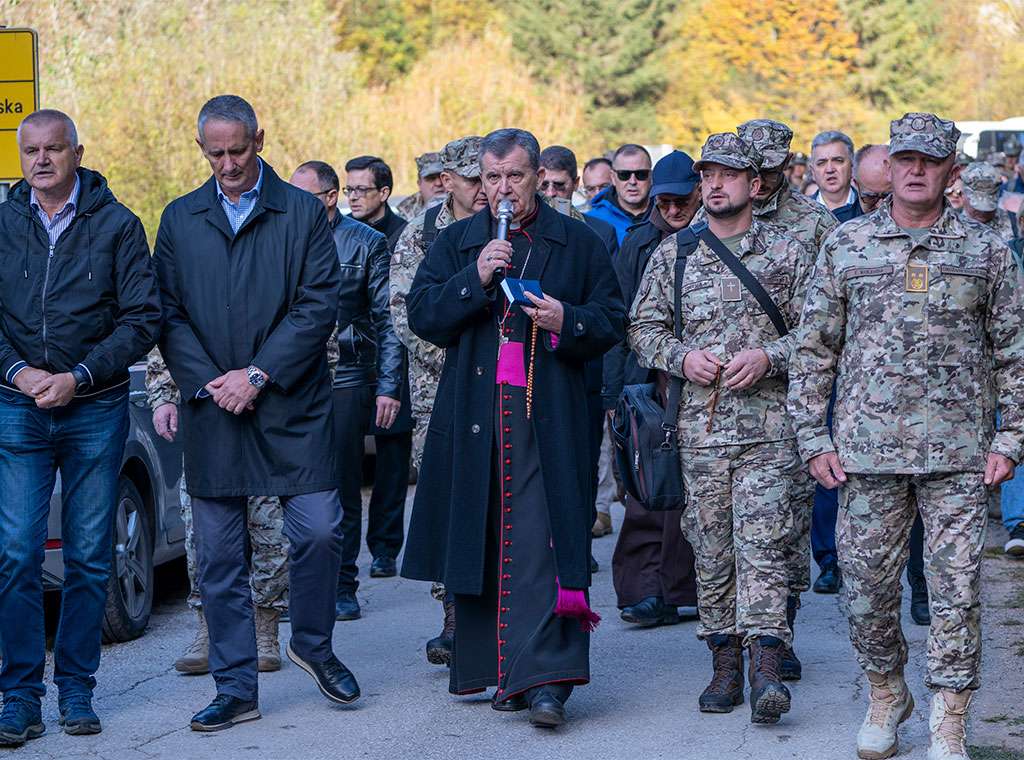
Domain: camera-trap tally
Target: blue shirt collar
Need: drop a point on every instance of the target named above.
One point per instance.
(252, 193)
(71, 203)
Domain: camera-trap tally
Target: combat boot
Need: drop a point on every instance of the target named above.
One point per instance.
(919, 610)
(890, 704)
(439, 649)
(268, 647)
(726, 688)
(790, 667)
(769, 697)
(948, 725)
(196, 660)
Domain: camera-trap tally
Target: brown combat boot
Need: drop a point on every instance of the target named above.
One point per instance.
(268, 647)
(769, 697)
(726, 688)
(439, 649)
(948, 725)
(196, 660)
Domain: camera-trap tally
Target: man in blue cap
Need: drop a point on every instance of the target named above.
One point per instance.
(652, 567)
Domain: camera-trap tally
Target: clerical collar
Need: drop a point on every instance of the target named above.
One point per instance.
(521, 225)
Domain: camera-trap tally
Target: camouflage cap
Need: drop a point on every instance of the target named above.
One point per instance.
(429, 164)
(923, 133)
(799, 159)
(962, 159)
(462, 156)
(1011, 146)
(728, 149)
(981, 183)
(770, 138)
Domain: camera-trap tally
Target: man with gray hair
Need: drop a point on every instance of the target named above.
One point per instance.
(249, 278)
(832, 167)
(80, 306)
(502, 514)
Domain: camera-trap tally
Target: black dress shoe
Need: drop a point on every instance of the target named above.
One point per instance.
(334, 680)
(830, 580)
(346, 606)
(514, 703)
(224, 712)
(650, 612)
(546, 711)
(383, 567)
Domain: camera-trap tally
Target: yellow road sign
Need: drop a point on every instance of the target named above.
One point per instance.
(19, 93)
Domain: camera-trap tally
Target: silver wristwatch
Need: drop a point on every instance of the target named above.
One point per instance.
(256, 379)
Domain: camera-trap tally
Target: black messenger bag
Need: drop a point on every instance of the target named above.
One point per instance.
(644, 429)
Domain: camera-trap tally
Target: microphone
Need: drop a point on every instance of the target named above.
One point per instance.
(504, 219)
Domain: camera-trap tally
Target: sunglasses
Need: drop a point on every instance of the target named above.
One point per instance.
(640, 174)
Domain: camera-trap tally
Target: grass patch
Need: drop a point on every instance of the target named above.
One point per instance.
(996, 719)
(1018, 647)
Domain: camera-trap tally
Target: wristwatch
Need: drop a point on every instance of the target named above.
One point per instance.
(82, 381)
(255, 375)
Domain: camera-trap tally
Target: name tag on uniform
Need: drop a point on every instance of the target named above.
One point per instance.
(917, 278)
(731, 289)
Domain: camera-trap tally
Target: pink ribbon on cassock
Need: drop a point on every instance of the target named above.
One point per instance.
(572, 603)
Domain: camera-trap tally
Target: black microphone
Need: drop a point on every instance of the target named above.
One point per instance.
(504, 219)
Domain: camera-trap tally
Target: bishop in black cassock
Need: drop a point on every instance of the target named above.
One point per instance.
(503, 506)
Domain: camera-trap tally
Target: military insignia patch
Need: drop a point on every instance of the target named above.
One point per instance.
(917, 278)
(731, 289)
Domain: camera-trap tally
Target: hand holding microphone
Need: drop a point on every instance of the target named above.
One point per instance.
(497, 254)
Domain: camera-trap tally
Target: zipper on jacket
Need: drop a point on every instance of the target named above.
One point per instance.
(46, 285)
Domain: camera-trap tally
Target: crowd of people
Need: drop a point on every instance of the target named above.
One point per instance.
(839, 341)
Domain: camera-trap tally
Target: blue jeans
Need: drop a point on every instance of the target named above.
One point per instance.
(826, 508)
(85, 442)
(1011, 496)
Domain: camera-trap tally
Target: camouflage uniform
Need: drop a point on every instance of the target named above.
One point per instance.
(739, 475)
(922, 338)
(981, 182)
(414, 205)
(808, 223)
(425, 359)
(269, 576)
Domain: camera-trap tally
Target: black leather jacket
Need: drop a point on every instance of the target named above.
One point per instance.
(369, 348)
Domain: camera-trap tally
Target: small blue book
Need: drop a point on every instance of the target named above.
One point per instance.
(516, 290)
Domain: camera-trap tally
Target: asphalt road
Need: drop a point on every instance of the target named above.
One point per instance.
(642, 702)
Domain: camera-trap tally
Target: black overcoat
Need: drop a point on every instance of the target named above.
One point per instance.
(449, 307)
(267, 296)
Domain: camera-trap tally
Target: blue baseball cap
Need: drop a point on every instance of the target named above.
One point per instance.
(674, 175)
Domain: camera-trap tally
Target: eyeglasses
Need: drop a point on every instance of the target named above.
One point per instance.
(326, 192)
(358, 191)
(593, 189)
(556, 186)
(640, 174)
(870, 196)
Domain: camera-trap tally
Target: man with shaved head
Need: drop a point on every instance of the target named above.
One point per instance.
(870, 173)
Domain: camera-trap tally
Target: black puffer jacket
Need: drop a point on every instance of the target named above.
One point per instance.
(91, 300)
(369, 348)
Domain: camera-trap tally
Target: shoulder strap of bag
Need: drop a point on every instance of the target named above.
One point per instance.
(750, 282)
(430, 225)
(686, 243)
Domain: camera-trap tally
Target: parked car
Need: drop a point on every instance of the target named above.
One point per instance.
(148, 530)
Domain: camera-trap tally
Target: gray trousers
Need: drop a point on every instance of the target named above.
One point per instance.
(312, 523)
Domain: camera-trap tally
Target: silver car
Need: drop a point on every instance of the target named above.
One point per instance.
(148, 530)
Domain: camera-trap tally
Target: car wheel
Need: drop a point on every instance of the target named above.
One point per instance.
(130, 588)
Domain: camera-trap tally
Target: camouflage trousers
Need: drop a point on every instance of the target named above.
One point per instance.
(798, 547)
(739, 519)
(421, 415)
(876, 513)
(268, 576)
